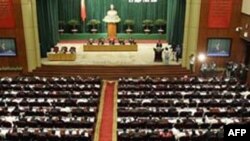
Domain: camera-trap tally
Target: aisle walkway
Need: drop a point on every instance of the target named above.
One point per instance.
(106, 125)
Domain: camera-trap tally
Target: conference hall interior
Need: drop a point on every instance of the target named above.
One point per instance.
(124, 70)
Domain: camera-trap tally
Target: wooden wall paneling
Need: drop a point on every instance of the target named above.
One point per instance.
(20, 60)
(245, 19)
(237, 48)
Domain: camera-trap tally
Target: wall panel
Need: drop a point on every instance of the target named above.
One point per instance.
(16, 32)
(245, 19)
(237, 49)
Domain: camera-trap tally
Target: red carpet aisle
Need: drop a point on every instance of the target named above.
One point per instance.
(106, 128)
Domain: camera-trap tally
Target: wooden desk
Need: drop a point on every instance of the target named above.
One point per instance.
(110, 48)
(61, 57)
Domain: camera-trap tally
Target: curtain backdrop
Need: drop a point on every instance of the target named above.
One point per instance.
(70, 9)
(97, 9)
(175, 21)
(47, 11)
(52, 11)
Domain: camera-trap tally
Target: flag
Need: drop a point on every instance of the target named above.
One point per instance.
(83, 10)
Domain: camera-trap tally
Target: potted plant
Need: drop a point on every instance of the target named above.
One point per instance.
(129, 23)
(61, 26)
(93, 23)
(73, 23)
(160, 23)
(147, 24)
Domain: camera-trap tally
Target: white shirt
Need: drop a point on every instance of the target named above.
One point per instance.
(192, 60)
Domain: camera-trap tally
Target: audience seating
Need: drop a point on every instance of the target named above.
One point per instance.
(184, 109)
(48, 108)
(149, 109)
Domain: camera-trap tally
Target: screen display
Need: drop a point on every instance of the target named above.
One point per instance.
(219, 47)
(7, 47)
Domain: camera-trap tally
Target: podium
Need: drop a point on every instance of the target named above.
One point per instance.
(112, 30)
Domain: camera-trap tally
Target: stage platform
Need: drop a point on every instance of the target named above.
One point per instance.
(136, 36)
(112, 64)
(144, 56)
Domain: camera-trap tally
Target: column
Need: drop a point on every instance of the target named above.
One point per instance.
(31, 34)
(191, 30)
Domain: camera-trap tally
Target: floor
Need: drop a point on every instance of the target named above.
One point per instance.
(144, 56)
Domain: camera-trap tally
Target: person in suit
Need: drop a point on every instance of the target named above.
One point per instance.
(131, 41)
(111, 41)
(220, 134)
(72, 50)
(158, 54)
(12, 134)
(168, 134)
(172, 109)
(188, 121)
(100, 41)
(64, 50)
(121, 41)
(193, 135)
(208, 135)
(52, 135)
(178, 53)
(91, 41)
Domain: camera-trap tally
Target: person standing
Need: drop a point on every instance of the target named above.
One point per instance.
(173, 52)
(178, 53)
(166, 55)
(158, 54)
(191, 62)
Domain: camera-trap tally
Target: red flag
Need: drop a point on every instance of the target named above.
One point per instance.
(83, 10)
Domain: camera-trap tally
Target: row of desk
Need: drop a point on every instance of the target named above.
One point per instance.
(91, 48)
